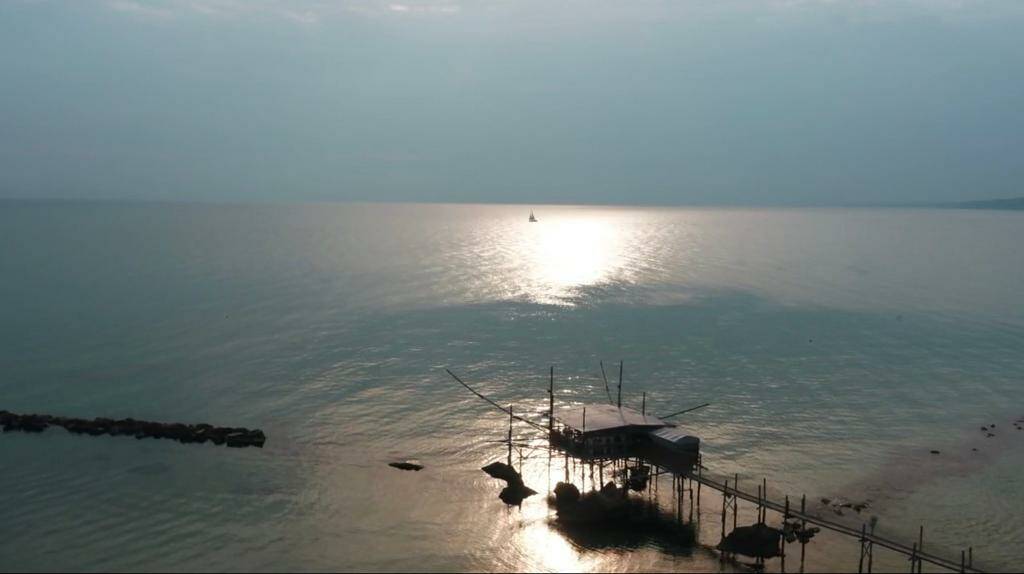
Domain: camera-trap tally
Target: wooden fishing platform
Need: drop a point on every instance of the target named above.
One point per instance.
(639, 448)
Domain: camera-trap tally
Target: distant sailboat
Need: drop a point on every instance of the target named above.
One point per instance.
(532, 218)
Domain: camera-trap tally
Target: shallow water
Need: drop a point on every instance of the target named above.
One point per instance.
(837, 347)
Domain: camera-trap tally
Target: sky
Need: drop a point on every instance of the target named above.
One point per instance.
(731, 102)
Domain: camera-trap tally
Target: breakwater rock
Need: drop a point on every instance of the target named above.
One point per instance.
(516, 491)
(756, 540)
(236, 437)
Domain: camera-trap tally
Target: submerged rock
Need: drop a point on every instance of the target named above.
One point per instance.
(406, 466)
(566, 494)
(515, 491)
(502, 471)
(756, 541)
(514, 494)
(609, 489)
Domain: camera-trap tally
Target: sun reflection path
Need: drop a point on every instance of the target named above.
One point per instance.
(568, 251)
(540, 547)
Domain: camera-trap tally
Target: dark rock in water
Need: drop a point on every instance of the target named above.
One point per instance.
(990, 435)
(638, 478)
(756, 541)
(234, 437)
(984, 428)
(795, 531)
(406, 466)
(514, 494)
(566, 494)
(516, 491)
(502, 471)
(609, 489)
(935, 452)
(826, 500)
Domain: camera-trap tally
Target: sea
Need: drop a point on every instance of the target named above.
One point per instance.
(837, 348)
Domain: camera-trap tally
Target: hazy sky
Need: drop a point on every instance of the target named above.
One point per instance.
(684, 101)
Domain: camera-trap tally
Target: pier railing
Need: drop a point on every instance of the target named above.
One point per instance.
(916, 555)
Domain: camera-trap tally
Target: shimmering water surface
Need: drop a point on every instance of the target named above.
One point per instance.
(837, 347)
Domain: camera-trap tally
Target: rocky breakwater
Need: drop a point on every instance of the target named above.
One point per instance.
(236, 437)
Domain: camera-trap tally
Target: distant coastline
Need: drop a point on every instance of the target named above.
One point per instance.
(1013, 203)
(1010, 203)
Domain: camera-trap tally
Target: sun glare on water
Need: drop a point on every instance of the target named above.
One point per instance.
(565, 252)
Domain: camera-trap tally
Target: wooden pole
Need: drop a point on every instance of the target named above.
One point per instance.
(803, 527)
(920, 546)
(643, 405)
(785, 520)
(551, 401)
(764, 499)
(735, 501)
(725, 497)
(871, 556)
(510, 435)
(620, 384)
(700, 460)
(863, 539)
(678, 481)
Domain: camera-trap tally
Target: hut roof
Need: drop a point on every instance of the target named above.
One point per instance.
(607, 417)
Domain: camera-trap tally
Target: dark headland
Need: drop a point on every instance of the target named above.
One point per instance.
(1009, 203)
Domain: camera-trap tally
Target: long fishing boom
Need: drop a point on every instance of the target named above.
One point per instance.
(685, 411)
(494, 404)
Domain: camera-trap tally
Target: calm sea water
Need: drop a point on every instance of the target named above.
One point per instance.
(837, 347)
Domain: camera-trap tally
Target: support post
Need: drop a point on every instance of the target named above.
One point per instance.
(551, 402)
(920, 547)
(803, 528)
(620, 384)
(863, 542)
(735, 501)
(700, 463)
(510, 435)
(725, 498)
(782, 550)
(764, 500)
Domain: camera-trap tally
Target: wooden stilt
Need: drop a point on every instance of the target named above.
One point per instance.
(803, 527)
(735, 501)
(782, 545)
(510, 435)
(725, 498)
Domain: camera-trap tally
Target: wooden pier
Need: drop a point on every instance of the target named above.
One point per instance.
(632, 445)
(868, 540)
